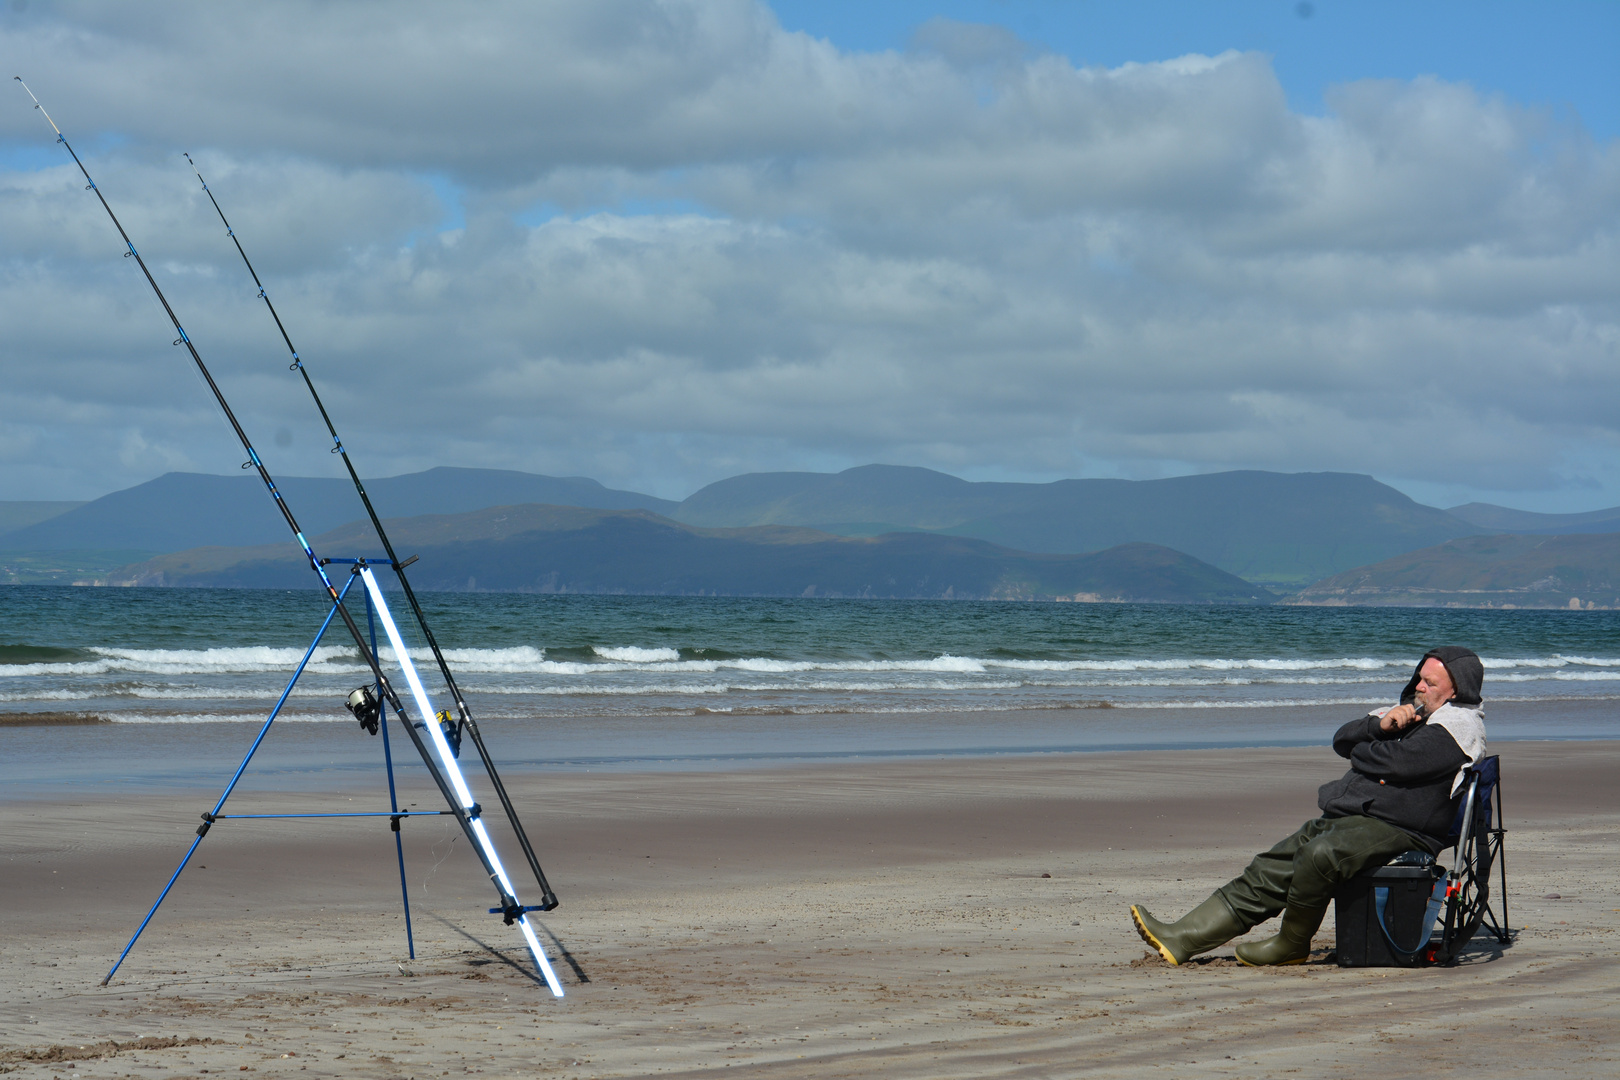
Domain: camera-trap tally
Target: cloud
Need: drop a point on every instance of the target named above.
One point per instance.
(660, 243)
(970, 45)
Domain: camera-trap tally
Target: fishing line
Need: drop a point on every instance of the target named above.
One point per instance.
(467, 812)
(548, 899)
(433, 872)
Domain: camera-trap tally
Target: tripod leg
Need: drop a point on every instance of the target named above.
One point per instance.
(172, 879)
(208, 818)
(393, 798)
(404, 894)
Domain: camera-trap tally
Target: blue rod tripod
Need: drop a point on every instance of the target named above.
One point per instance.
(394, 813)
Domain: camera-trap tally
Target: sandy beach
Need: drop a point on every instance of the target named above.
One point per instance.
(865, 918)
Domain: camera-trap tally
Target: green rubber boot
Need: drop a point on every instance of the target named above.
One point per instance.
(1200, 930)
(1292, 943)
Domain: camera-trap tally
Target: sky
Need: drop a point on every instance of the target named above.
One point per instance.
(664, 243)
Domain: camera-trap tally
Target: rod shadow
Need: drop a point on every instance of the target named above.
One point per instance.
(562, 950)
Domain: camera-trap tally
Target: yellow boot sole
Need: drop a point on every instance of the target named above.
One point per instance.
(1147, 936)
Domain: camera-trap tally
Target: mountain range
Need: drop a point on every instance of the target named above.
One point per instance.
(1269, 528)
(1284, 529)
(1276, 530)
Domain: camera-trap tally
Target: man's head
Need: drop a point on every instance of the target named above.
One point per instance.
(1449, 673)
(1434, 686)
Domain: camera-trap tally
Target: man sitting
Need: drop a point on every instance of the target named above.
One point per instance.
(1406, 775)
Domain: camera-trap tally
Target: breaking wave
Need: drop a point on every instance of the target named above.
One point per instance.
(634, 655)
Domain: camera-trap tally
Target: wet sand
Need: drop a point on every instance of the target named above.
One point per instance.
(887, 918)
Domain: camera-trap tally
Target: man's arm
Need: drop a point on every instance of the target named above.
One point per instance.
(1425, 754)
(1389, 724)
(1358, 732)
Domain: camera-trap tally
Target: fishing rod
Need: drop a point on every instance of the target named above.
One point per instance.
(548, 899)
(467, 812)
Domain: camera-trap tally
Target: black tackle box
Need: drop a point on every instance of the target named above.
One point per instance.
(1409, 881)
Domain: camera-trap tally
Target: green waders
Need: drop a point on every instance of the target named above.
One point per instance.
(1300, 875)
(1303, 871)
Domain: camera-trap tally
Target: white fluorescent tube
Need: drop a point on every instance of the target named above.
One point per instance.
(453, 769)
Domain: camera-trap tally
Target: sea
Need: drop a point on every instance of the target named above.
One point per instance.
(572, 681)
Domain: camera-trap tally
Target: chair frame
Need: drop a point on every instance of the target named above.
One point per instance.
(1478, 851)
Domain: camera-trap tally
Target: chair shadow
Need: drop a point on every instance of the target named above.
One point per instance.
(1485, 948)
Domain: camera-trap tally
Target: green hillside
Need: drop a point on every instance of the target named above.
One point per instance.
(1486, 571)
(63, 567)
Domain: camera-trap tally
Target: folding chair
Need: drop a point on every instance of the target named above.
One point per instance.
(1387, 917)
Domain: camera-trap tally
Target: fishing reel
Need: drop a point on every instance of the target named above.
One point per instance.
(452, 733)
(365, 707)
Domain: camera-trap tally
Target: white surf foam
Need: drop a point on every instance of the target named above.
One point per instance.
(633, 654)
(522, 658)
(48, 695)
(1554, 661)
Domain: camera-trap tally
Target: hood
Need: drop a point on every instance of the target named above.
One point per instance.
(1467, 727)
(1466, 671)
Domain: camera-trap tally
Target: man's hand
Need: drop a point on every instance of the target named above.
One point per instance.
(1400, 718)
